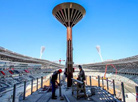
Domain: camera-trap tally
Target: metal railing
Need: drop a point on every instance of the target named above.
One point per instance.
(118, 90)
(34, 85)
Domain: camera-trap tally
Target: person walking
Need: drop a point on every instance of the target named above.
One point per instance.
(54, 81)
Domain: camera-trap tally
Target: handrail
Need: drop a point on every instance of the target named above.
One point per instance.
(66, 98)
(78, 81)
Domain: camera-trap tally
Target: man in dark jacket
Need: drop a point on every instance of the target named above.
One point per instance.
(81, 75)
(54, 81)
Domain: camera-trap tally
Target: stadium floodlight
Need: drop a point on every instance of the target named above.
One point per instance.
(69, 14)
(99, 52)
(41, 51)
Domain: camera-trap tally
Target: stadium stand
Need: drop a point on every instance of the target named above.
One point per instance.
(16, 68)
(127, 69)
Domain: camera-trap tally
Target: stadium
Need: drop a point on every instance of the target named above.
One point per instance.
(24, 78)
(16, 68)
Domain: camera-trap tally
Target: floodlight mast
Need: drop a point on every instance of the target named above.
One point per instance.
(69, 14)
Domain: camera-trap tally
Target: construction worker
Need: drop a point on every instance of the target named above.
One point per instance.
(64, 78)
(54, 81)
(81, 75)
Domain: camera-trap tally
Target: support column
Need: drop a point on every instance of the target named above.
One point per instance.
(69, 61)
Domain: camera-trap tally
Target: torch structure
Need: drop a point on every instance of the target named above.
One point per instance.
(69, 14)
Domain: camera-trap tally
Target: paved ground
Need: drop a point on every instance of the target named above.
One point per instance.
(100, 96)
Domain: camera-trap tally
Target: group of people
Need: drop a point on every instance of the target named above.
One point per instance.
(81, 77)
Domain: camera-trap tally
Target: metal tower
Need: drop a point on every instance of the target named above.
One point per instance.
(69, 14)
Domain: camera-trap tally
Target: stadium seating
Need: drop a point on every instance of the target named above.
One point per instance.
(7, 80)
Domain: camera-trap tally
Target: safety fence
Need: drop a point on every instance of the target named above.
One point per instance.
(29, 87)
(120, 90)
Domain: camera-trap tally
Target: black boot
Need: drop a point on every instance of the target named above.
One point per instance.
(53, 96)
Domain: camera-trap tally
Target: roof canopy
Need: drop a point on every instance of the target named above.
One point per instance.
(69, 13)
